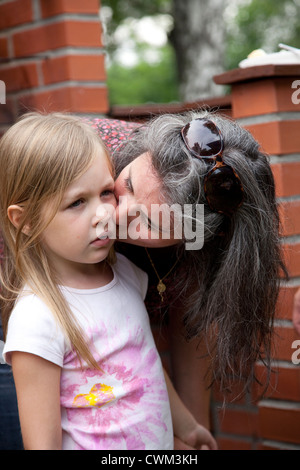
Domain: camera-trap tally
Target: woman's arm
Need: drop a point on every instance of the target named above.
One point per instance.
(191, 434)
(189, 363)
(38, 392)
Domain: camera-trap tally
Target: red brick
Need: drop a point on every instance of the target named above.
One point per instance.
(74, 67)
(279, 421)
(3, 48)
(15, 13)
(291, 254)
(20, 77)
(284, 383)
(7, 112)
(290, 217)
(263, 96)
(227, 443)
(58, 7)
(237, 421)
(286, 177)
(282, 343)
(269, 445)
(69, 99)
(57, 35)
(278, 137)
(284, 307)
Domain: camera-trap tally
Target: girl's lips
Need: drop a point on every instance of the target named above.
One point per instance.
(101, 241)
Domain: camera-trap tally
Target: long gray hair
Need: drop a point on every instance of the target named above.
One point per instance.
(230, 286)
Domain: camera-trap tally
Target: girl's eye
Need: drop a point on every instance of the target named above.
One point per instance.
(76, 203)
(107, 192)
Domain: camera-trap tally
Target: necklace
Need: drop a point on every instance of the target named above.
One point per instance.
(161, 286)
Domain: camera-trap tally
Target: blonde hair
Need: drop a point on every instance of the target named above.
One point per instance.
(40, 156)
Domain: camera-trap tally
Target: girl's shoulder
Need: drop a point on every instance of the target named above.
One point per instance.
(31, 314)
(32, 328)
(31, 303)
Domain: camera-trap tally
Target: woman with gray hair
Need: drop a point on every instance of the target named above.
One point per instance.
(222, 295)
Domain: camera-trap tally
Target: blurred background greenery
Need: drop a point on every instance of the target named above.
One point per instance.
(161, 51)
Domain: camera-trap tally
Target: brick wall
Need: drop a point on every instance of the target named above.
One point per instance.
(51, 57)
(265, 100)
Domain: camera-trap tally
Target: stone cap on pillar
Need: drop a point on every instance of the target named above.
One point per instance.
(263, 89)
(257, 72)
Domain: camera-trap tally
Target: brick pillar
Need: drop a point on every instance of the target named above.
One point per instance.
(266, 100)
(51, 57)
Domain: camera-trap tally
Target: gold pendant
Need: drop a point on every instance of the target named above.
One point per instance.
(161, 287)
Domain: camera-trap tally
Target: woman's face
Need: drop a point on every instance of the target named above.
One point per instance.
(142, 216)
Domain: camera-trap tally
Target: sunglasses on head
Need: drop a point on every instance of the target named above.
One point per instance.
(222, 186)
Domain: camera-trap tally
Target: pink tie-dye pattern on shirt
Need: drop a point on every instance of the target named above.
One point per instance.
(134, 417)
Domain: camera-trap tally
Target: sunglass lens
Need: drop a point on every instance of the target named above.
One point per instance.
(223, 190)
(202, 138)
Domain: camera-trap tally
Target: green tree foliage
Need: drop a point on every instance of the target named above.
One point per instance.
(136, 8)
(149, 81)
(262, 25)
(144, 82)
(256, 24)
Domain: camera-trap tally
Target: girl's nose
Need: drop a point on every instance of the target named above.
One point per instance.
(102, 216)
(104, 220)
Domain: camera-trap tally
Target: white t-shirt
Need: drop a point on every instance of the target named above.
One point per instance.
(124, 407)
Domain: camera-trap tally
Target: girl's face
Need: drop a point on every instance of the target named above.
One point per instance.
(141, 215)
(74, 239)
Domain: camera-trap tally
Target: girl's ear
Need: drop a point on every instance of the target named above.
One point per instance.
(15, 213)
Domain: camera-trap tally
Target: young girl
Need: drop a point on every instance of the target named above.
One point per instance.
(87, 373)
